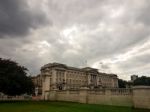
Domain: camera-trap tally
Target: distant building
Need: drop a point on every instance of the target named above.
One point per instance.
(133, 77)
(130, 83)
(61, 76)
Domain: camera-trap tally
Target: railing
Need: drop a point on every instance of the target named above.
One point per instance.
(116, 91)
(97, 92)
(121, 91)
(7, 98)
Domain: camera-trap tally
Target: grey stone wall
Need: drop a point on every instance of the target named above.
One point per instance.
(141, 97)
(138, 97)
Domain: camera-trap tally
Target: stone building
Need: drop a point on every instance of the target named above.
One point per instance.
(37, 81)
(61, 76)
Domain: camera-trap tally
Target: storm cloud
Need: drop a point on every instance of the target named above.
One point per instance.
(17, 18)
(110, 35)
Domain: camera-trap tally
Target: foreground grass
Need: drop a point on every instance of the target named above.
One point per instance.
(61, 107)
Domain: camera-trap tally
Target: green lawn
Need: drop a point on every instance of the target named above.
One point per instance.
(61, 107)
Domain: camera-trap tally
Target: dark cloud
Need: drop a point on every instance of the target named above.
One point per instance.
(17, 18)
(84, 33)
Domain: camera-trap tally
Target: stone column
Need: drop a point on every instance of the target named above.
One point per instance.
(89, 79)
(108, 95)
(97, 80)
(65, 77)
(83, 95)
(53, 95)
(45, 85)
(112, 82)
(115, 82)
(54, 72)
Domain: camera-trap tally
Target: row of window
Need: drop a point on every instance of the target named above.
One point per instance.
(70, 81)
(75, 72)
(106, 79)
(71, 75)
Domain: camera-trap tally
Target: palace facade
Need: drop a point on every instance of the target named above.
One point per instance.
(37, 81)
(60, 76)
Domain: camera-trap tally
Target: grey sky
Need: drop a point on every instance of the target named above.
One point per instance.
(111, 35)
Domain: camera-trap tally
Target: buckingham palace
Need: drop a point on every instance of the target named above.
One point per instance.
(60, 76)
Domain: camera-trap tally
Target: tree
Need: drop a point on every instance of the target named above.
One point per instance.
(122, 83)
(142, 81)
(14, 79)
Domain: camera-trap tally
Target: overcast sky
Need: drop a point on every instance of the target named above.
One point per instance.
(110, 35)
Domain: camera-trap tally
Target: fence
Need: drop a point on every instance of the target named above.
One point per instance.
(138, 97)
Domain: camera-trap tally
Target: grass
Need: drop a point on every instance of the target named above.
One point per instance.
(42, 106)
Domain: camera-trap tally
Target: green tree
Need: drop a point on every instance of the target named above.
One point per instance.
(14, 79)
(122, 83)
(142, 81)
